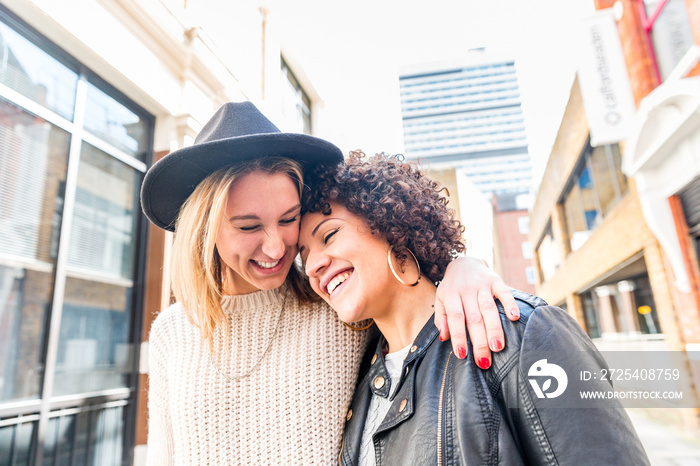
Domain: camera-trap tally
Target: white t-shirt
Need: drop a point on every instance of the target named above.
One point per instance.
(379, 406)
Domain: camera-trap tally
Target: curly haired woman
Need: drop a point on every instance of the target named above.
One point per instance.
(375, 237)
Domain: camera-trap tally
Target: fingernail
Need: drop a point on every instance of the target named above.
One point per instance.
(496, 344)
(441, 337)
(461, 352)
(515, 313)
(484, 363)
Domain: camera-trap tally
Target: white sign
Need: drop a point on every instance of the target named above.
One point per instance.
(602, 74)
(672, 36)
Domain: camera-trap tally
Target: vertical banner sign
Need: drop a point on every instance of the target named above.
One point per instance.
(672, 36)
(603, 78)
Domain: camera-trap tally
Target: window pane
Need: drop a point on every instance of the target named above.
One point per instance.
(33, 157)
(66, 440)
(575, 218)
(589, 302)
(588, 199)
(83, 434)
(530, 274)
(524, 225)
(95, 436)
(548, 252)
(296, 105)
(646, 306)
(108, 119)
(605, 177)
(92, 436)
(584, 179)
(16, 444)
(671, 34)
(51, 441)
(615, 160)
(35, 74)
(102, 238)
(94, 349)
(580, 210)
(7, 442)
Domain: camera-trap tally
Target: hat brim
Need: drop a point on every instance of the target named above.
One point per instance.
(171, 180)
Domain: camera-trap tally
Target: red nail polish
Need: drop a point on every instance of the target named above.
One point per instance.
(496, 344)
(515, 313)
(461, 352)
(484, 363)
(442, 338)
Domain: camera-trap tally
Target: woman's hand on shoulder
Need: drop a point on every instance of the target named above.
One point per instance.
(465, 302)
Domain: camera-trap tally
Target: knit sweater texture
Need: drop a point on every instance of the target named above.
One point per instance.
(209, 408)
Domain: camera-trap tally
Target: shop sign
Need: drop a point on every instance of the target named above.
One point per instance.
(603, 78)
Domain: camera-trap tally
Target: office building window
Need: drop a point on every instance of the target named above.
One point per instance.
(73, 152)
(597, 185)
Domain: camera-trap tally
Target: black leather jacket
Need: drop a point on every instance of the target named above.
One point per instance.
(448, 411)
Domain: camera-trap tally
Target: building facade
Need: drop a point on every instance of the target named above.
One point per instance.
(598, 252)
(91, 94)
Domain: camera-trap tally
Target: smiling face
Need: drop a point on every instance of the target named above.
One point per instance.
(346, 264)
(257, 238)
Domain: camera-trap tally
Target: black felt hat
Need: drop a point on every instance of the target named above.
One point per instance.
(237, 132)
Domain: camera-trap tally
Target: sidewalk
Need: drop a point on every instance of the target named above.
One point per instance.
(665, 445)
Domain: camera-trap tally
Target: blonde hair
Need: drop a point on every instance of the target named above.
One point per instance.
(196, 267)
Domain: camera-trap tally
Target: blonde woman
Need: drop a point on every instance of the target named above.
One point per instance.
(249, 366)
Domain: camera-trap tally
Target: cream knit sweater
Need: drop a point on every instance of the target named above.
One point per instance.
(289, 410)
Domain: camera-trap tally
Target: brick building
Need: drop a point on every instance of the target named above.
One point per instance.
(616, 249)
(512, 251)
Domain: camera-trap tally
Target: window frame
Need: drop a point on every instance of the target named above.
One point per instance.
(584, 163)
(302, 102)
(39, 412)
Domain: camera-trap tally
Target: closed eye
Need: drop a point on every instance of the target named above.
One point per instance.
(329, 235)
(289, 221)
(249, 228)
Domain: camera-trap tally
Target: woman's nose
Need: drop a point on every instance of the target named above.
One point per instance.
(315, 263)
(273, 244)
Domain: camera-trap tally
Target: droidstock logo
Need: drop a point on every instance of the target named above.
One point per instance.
(542, 370)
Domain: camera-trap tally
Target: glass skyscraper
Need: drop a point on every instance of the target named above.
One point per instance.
(466, 114)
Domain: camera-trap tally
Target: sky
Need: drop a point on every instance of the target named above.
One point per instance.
(352, 53)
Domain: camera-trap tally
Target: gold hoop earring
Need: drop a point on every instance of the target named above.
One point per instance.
(357, 329)
(391, 267)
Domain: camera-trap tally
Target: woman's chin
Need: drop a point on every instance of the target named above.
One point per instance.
(270, 283)
(351, 317)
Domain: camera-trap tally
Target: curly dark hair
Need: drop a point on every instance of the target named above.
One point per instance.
(397, 201)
